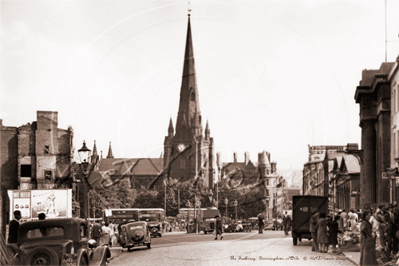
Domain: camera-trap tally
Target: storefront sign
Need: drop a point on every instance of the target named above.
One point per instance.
(55, 203)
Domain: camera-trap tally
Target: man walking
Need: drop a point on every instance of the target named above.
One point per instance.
(13, 228)
(219, 228)
(96, 232)
(260, 223)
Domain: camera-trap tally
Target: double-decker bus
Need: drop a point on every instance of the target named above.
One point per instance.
(124, 215)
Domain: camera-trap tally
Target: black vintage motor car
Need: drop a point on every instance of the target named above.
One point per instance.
(134, 234)
(58, 242)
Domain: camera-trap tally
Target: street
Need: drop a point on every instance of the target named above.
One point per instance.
(271, 247)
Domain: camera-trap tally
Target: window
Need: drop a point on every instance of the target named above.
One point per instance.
(46, 149)
(48, 175)
(395, 150)
(26, 170)
(396, 144)
(46, 231)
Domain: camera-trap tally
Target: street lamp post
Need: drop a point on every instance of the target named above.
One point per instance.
(84, 155)
(226, 201)
(235, 205)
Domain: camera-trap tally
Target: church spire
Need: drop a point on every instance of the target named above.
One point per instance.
(171, 130)
(110, 155)
(94, 155)
(188, 122)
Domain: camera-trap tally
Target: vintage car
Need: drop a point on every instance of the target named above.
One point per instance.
(209, 225)
(153, 223)
(134, 234)
(58, 242)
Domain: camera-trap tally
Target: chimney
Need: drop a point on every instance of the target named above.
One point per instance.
(235, 157)
(246, 156)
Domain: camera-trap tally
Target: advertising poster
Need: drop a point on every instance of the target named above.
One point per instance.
(22, 203)
(55, 203)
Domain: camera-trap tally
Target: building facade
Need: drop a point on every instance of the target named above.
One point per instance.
(36, 155)
(188, 150)
(250, 173)
(393, 172)
(374, 98)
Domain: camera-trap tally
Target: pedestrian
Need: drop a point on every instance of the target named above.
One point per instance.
(284, 221)
(106, 234)
(260, 223)
(333, 233)
(41, 216)
(96, 232)
(367, 242)
(380, 217)
(219, 228)
(112, 233)
(395, 228)
(313, 230)
(13, 227)
(322, 233)
(353, 220)
(344, 223)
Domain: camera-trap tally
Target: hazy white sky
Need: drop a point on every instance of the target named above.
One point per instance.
(272, 75)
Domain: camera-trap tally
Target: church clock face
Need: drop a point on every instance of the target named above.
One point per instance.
(180, 147)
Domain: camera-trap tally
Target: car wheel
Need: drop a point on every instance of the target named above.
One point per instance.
(160, 235)
(128, 249)
(205, 232)
(42, 256)
(295, 241)
(149, 245)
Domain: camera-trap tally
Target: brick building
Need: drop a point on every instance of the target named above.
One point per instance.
(249, 173)
(36, 155)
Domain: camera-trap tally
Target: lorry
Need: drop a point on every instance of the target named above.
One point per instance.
(304, 206)
(209, 219)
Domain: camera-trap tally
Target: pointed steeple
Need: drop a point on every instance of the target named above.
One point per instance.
(207, 131)
(189, 116)
(110, 155)
(171, 130)
(94, 156)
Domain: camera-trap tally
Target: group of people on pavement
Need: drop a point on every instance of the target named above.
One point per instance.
(105, 234)
(324, 231)
(383, 221)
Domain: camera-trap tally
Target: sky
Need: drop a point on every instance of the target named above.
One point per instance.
(272, 75)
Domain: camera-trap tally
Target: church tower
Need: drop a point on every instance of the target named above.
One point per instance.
(188, 152)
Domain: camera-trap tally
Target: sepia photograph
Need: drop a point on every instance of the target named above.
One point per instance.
(220, 132)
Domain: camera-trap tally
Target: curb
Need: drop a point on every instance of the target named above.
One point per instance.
(342, 254)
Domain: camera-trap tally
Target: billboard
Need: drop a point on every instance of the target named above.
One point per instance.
(55, 203)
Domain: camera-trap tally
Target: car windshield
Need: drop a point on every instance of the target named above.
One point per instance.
(45, 231)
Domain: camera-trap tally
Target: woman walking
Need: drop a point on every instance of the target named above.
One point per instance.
(333, 233)
(106, 236)
(322, 234)
(367, 242)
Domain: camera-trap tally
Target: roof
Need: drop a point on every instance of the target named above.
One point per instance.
(132, 166)
(352, 164)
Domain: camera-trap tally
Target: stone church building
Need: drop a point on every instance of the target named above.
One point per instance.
(188, 150)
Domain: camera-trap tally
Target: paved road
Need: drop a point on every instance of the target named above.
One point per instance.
(271, 248)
